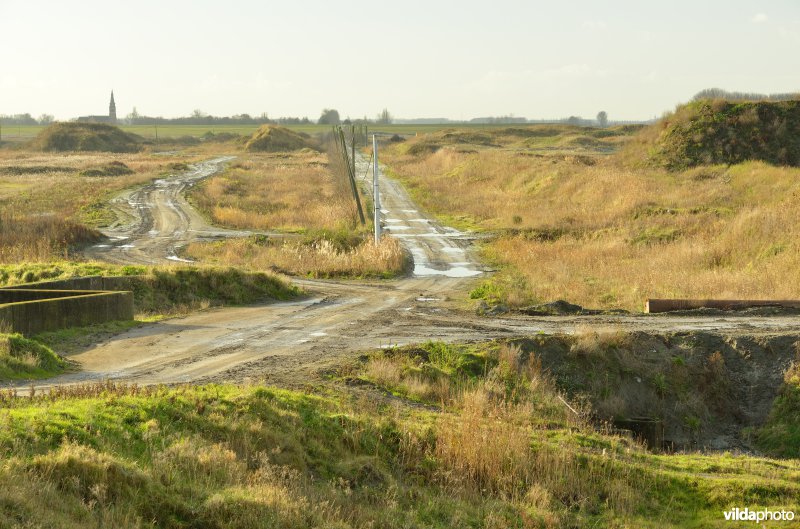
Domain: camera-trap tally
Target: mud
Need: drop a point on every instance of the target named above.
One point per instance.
(156, 220)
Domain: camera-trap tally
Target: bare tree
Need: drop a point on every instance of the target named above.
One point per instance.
(602, 118)
(385, 118)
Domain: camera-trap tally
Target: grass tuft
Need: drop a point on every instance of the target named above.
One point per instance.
(25, 359)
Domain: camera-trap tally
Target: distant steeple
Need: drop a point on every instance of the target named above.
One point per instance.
(112, 109)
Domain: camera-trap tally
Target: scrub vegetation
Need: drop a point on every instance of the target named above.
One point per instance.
(609, 230)
(709, 132)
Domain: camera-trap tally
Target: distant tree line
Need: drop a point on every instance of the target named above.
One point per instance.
(26, 119)
(497, 120)
(199, 117)
(330, 116)
(719, 93)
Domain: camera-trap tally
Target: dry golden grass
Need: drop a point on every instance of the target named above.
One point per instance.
(47, 204)
(318, 258)
(40, 238)
(605, 235)
(284, 191)
(490, 443)
(295, 192)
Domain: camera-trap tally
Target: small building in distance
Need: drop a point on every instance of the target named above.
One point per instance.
(110, 118)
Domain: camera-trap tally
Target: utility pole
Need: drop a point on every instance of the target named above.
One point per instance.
(376, 199)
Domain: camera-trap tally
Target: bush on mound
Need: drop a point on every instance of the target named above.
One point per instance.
(269, 138)
(114, 168)
(86, 137)
(722, 132)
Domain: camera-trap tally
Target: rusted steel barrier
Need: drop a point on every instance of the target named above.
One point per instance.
(668, 305)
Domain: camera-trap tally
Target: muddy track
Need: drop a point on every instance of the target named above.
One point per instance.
(156, 220)
(287, 343)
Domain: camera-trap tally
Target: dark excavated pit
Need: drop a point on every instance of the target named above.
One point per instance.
(648, 430)
(691, 390)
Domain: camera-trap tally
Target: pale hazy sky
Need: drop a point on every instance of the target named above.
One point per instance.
(538, 59)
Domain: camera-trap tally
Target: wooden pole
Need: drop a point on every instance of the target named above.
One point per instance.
(352, 177)
(353, 149)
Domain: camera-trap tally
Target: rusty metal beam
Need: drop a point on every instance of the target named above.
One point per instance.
(667, 305)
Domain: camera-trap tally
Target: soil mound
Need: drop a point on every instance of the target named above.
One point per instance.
(110, 169)
(722, 132)
(86, 137)
(269, 138)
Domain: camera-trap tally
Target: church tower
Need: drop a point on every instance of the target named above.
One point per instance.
(112, 110)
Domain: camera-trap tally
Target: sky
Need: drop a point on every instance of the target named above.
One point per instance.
(433, 58)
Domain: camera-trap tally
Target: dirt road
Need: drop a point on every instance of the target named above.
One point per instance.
(156, 220)
(287, 342)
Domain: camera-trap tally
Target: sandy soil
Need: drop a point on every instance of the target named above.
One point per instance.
(288, 343)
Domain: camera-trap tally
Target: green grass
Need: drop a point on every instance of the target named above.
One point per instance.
(24, 359)
(164, 290)
(15, 274)
(780, 435)
(254, 456)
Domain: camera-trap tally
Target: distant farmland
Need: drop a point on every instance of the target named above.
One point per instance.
(16, 133)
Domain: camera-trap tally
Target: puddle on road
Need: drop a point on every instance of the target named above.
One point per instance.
(318, 334)
(423, 267)
(430, 235)
(455, 271)
(176, 258)
(423, 298)
(392, 220)
(127, 246)
(394, 227)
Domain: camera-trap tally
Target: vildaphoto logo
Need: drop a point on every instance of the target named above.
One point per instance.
(765, 515)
